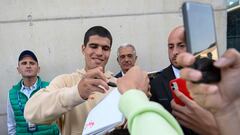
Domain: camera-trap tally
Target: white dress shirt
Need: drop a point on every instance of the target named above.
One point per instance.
(176, 72)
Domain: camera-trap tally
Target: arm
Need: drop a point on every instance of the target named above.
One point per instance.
(144, 117)
(147, 118)
(63, 94)
(50, 103)
(11, 123)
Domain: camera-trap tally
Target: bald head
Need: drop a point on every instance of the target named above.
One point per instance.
(176, 44)
(177, 33)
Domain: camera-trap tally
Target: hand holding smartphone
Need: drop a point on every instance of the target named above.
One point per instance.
(199, 25)
(179, 84)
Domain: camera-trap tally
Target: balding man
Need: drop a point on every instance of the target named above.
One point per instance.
(191, 116)
(160, 85)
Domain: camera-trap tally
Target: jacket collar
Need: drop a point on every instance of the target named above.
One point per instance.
(18, 86)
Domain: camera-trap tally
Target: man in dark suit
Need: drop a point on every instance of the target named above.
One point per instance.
(126, 58)
(190, 116)
(160, 86)
(119, 74)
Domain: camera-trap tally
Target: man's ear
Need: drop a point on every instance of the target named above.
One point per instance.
(83, 47)
(136, 58)
(38, 69)
(18, 70)
(118, 60)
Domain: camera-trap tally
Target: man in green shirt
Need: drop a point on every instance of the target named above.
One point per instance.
(20, 93)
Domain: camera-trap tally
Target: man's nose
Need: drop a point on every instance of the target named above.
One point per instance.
(99, 51)
(126, 58)
(175, 50)
(28, 65)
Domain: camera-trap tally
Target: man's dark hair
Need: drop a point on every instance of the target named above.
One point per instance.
(97, 30)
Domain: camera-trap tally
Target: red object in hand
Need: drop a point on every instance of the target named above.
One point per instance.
(179, 84)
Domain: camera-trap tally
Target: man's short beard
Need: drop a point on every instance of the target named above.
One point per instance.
(178, 67)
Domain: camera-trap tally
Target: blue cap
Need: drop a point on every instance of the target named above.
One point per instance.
(28, 53)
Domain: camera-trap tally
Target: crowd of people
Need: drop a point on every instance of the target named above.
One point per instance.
(62, 106)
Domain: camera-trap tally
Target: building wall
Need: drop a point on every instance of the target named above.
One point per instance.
(54, 31)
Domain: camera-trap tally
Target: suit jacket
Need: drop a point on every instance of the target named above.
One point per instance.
(119, 74)
(161, 92)
(160, 88)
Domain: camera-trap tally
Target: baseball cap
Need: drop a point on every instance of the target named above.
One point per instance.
(27, 53)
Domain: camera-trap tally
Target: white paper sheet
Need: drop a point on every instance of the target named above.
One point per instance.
(105, 116)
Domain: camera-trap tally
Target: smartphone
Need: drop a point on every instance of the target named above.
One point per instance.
(179, 84)
(198, 19)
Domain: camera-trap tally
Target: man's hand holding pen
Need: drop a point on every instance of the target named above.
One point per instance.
(94, 80)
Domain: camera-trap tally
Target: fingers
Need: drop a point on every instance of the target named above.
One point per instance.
(93, 80)
(149, 94)
(93, 89)
(99, 83)
(201, 88)
(96, 77)
(230, 57)
(120, 85)
(145, 75)
(185, 59)
(145, 85)
(186, 124)
(135, 78)
(176, 107)
(87, 86)
(182, 113)
(198, 92)
(96, 73)
(190, 74)
(184, 119)
(188, 102)
(205, 95)
(192, 125)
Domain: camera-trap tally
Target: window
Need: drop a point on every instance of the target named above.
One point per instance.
(233, 25)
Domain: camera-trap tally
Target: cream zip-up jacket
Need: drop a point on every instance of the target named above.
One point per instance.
(61, 102)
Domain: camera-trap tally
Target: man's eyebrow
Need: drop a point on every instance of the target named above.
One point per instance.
(181, 43)
(93, 44)
(99, 45)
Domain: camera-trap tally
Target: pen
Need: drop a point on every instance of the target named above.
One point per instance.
(112, 84)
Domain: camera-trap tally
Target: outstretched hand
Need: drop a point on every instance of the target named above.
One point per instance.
(214, 97)
(135, 78)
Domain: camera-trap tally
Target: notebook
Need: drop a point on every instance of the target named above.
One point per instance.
(105, 116)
